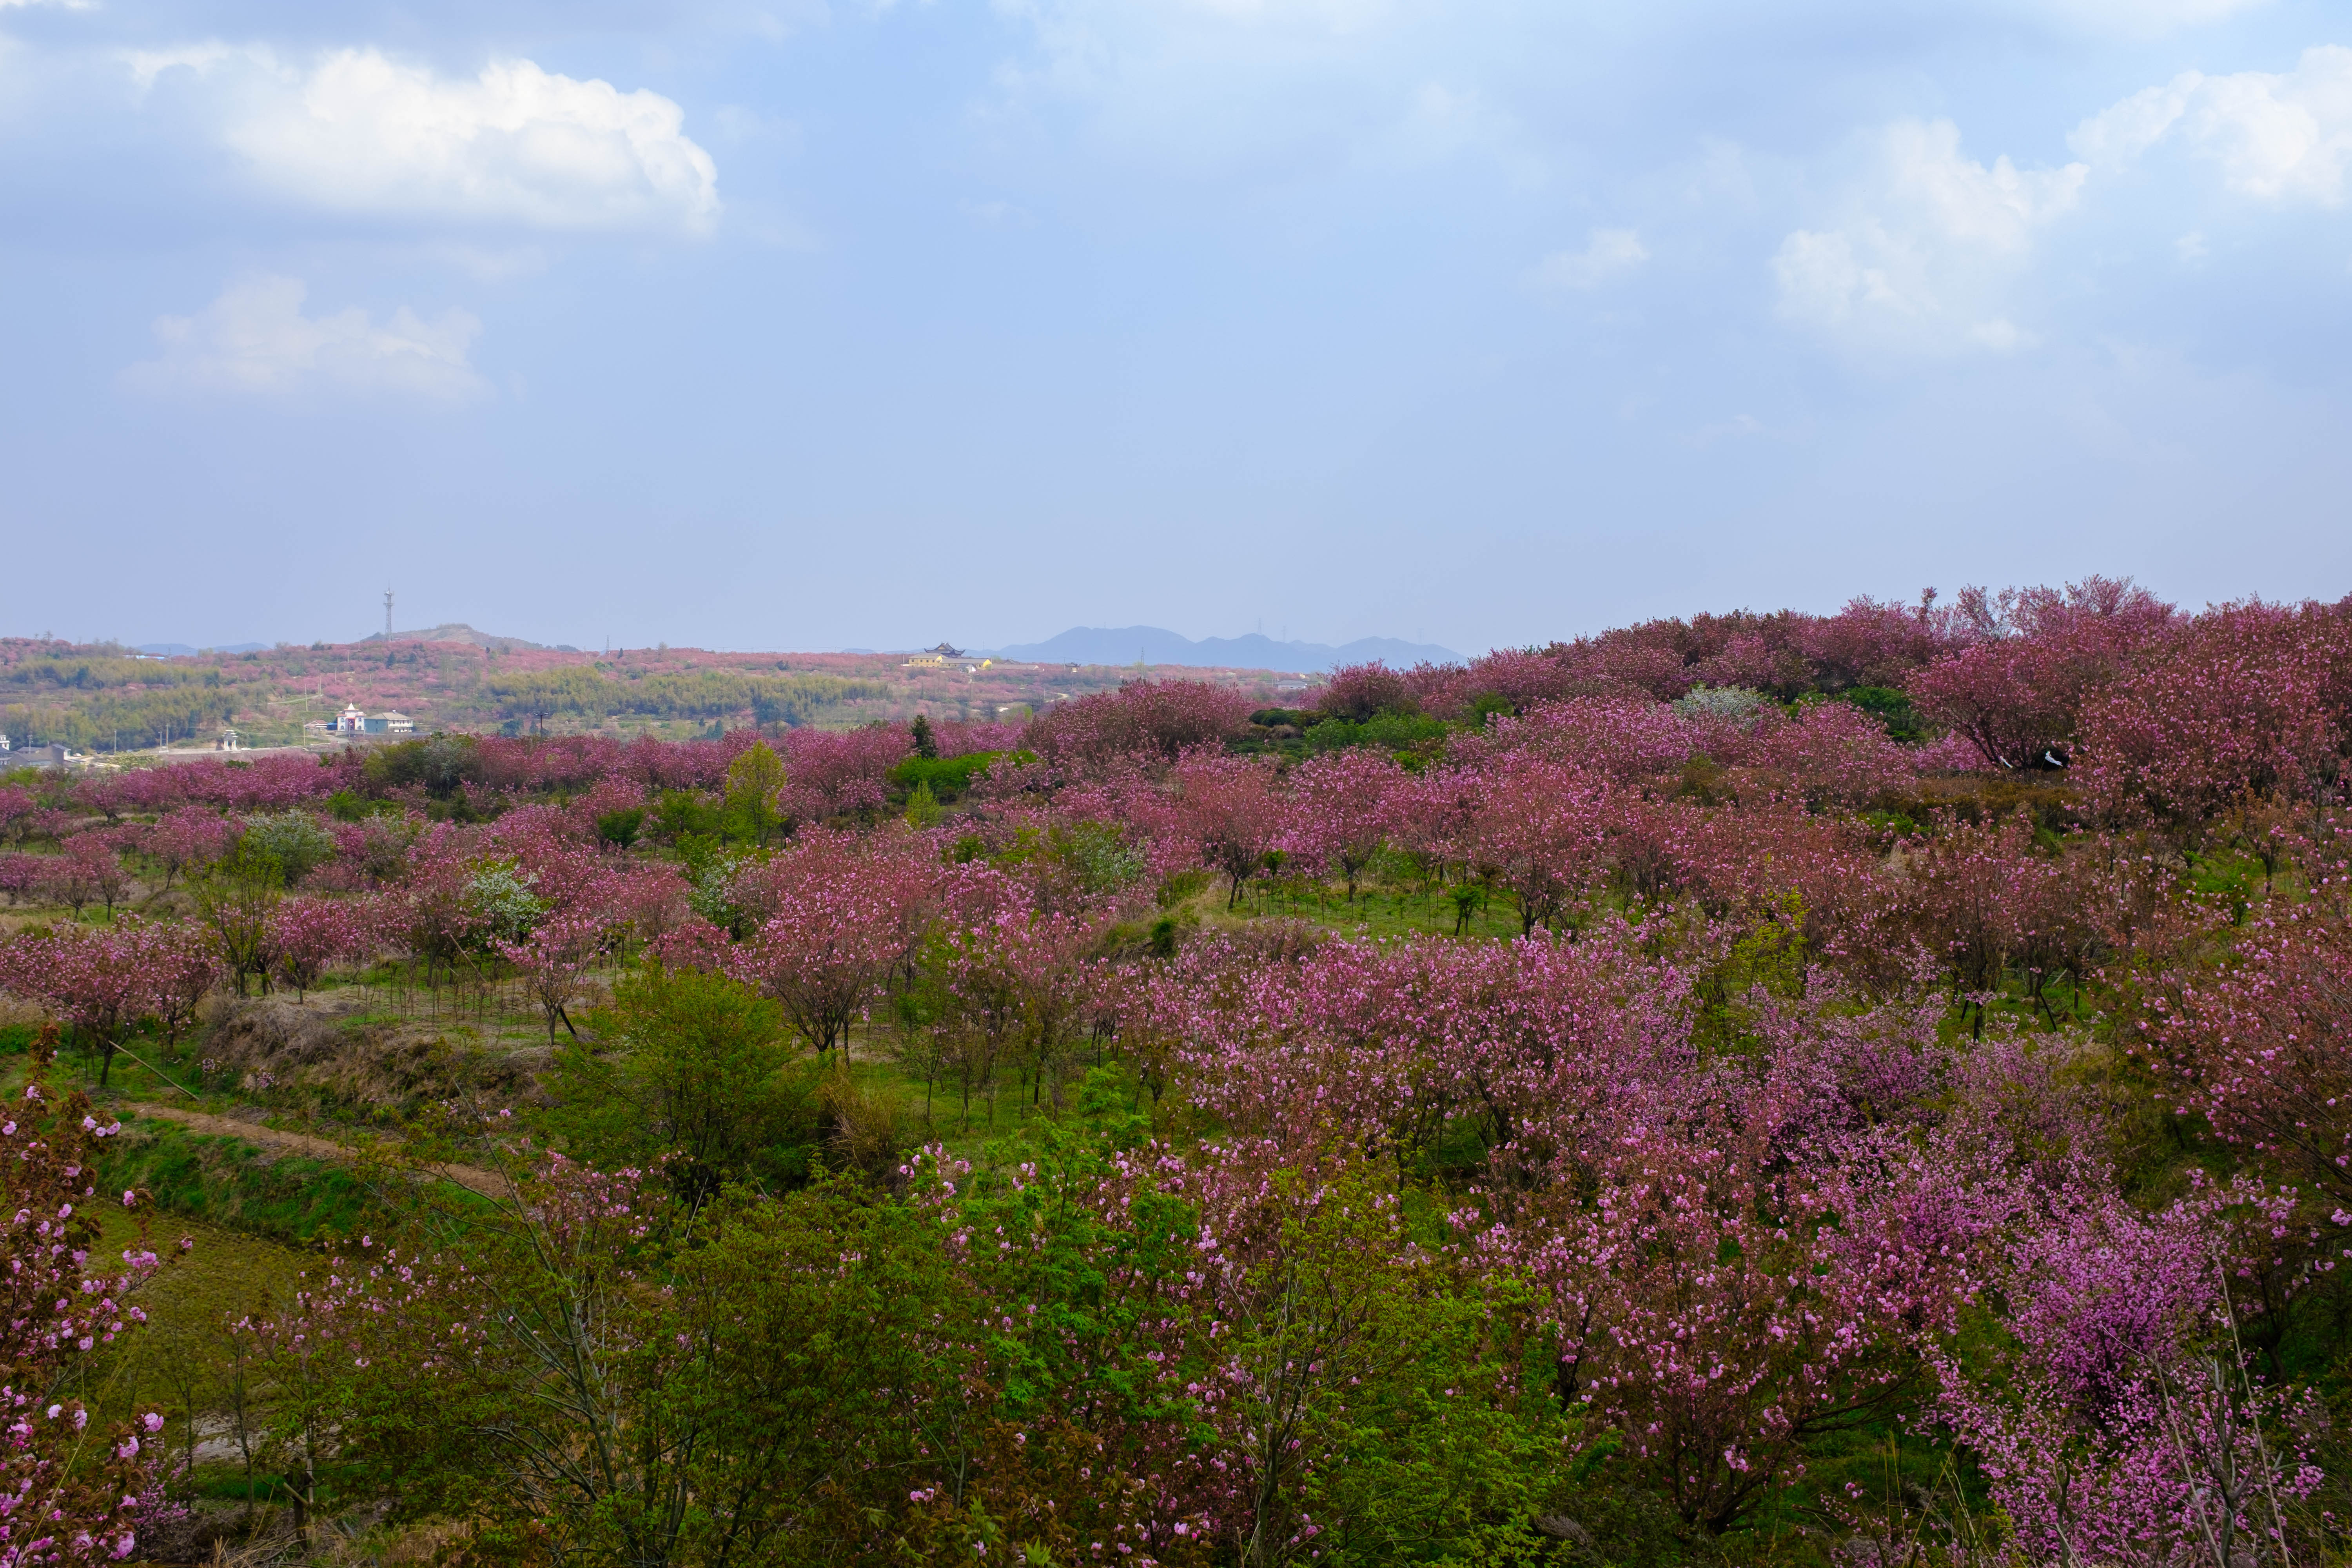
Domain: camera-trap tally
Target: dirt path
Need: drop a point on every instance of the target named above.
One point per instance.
(490, 1183)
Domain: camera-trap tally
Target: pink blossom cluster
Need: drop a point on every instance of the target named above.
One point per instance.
(68, 1493)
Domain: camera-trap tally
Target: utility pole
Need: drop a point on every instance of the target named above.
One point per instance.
(387, 615)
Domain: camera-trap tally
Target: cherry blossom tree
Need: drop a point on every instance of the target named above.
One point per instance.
(1226, 813)
(1159, 720)
(2256, 1048)
(2016, 691)
(185, 839)
(1338, 812)
(74, 1495)
(2233, 707)
(308, 936)
(178, 968)
(1537, 830)
(86, 869)
(2123, 1423)
(94, 979)
(553, 961)
(839, 922)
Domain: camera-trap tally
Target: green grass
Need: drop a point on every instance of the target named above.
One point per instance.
(228, 1182)
(1378, 910)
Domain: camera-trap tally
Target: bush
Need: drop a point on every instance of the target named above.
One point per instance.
(1890, 708)
(947, 776)
(440, 767)
(293, 840)
(696, 1067)
(1390, 731)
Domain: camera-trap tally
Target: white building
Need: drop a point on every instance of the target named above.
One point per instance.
(352, 721)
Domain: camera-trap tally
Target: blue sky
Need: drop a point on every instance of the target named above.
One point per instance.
(831, 322)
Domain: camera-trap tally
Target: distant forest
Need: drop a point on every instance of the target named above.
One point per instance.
(104, 699)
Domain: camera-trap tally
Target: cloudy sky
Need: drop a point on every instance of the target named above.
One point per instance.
(810, 324)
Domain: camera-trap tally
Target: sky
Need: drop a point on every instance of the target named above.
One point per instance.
(818, 323)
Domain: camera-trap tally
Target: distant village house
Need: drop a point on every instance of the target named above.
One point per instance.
(352, 721)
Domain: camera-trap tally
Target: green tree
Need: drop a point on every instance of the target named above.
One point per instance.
(619, 829)
(292, 838)
(592, 1373)
(236, 896)
(694, 1067)
(752, 805)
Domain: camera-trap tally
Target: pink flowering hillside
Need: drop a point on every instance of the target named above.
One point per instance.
(1864, 1090)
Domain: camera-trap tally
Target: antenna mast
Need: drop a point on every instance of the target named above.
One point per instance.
(387, 615)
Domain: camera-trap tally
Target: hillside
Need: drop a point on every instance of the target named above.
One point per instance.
(458, 632)
(100, 697)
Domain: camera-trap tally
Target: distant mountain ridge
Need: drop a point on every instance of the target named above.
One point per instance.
(458, 631)
(1157, 645)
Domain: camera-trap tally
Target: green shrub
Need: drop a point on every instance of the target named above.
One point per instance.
(682, 813)
(948, 776)
(1890, 708)
(440, 764)
(1390, 731)
(619, 828)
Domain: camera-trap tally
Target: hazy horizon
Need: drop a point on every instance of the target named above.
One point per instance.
(1082, 644)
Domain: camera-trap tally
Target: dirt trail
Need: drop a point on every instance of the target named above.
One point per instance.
(490, 1183)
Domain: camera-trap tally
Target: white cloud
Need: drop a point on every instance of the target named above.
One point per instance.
(146, 65)
(1924, 247)
(2276, 136)
(254, 340)
(1610, 254)
(358, 131)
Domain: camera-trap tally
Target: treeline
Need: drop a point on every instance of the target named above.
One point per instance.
(129, 718)
(96, 699)
(95, 672)
(789, 699)
(87, 700)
